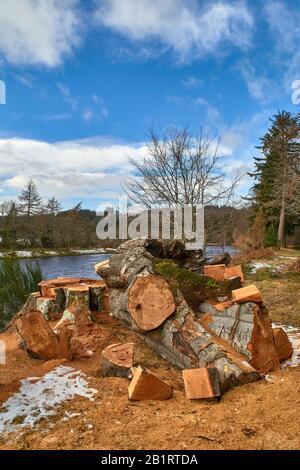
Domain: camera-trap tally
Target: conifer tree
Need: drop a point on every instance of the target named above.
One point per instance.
(276, 192)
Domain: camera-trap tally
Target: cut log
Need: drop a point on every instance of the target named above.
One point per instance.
(150, 302)
(247, 328)
(234, 271)
(183, 341)
(201, 383)
(247, 294)
(147, 386)
(117, 360)
(162, 314)
(40, 340)
(216, 272)
(283, 345)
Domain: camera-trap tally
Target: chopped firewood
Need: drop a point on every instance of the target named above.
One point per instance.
(223, 305)
(247, 328)
(234, 271)
(150, 302)
(233, 283)
(283, 345)
(77, 293)
(247, 294)
(201, 383)
(117, 360)
(147, 386)
(40, 340)
(216, 271)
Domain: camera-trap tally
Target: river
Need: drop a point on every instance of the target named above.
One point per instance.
(83, 265)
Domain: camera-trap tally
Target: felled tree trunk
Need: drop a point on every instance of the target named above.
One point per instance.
(148, 304)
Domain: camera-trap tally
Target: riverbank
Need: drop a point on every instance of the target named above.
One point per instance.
(35, 254)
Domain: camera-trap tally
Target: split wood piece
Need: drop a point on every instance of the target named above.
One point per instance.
(233, 283)
(77, 294)
(147, 386)
(223, 305)
(247, 328)
(150, 302)
(47, 288)
(117, 360)
(98, 298)
(234, 271)
(201, 383)
(216, 272)
(247, 294)
(283, 345)
(40, 340)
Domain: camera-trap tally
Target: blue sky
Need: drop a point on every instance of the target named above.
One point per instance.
(86, 79)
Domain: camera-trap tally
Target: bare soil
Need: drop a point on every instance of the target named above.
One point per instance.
(262, 415)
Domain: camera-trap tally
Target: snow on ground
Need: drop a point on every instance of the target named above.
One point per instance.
(294, 337)
(36, 254)
(39, 397)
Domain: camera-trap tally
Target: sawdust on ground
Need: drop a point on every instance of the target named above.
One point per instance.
(262, 415)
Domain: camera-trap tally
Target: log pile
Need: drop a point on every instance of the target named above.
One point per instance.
(235, 338)
(217, 336)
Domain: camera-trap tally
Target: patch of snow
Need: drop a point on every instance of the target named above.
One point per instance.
(255, 265)
(294, 337)
(39, 397)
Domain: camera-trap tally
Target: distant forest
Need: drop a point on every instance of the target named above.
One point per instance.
(181, 168)
(32, 223)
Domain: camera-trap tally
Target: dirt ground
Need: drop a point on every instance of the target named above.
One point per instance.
(262, 415)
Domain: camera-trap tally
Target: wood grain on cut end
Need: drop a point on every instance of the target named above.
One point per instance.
(201, 383)
(150, 302)
(147, 386)
(117, 360)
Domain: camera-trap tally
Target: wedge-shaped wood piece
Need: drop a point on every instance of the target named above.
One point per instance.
(201, 383)
(216, 271)
(150, 302)
(283, 345)
(40, 340)
(117, 360)
(247, 294)
(234, 271)
(147, 386)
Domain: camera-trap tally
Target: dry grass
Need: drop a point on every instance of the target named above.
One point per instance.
(281, 292)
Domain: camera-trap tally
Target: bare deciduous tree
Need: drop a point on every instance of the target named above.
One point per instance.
(181, 168)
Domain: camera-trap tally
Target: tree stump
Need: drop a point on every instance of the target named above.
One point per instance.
(117, 360)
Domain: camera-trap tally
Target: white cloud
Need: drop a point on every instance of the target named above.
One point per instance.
(260, 87)
(283, 19)
(88, 169)
(180, 26)
(39, 32)
(67, 96)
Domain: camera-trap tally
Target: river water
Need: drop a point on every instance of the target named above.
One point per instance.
(83, 265)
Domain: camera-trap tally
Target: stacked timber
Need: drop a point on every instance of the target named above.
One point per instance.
(238, 342)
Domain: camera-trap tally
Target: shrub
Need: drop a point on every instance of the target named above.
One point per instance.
(16, 283)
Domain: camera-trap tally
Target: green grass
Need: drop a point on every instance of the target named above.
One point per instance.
(16, 283)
